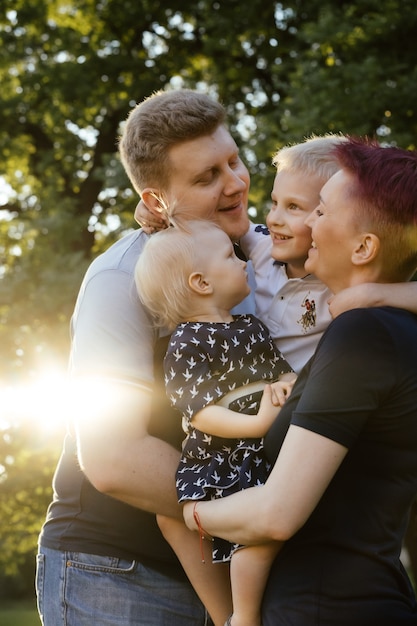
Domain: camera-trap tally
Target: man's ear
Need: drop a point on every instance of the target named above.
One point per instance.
(366, 250)
(153, 201)
(199, 285)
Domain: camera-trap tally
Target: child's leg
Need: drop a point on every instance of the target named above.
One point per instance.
(249, 570)
(210, 580)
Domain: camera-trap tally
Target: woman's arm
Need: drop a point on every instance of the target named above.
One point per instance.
(399, 295)
(304, 468)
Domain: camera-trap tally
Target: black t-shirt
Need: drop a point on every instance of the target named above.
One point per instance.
(359, 389)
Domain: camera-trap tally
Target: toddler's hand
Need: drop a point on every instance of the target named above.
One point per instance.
(281, 389)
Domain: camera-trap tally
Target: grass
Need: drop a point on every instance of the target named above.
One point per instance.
(19, 613)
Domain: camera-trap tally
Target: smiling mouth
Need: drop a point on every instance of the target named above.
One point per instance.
(278, 237)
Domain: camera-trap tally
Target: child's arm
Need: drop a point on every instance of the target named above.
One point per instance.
(399, 295)
(222, 422)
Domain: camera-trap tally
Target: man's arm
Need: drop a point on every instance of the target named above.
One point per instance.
(112, 368)
(118, 455)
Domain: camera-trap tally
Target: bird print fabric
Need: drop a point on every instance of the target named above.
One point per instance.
(203, 363)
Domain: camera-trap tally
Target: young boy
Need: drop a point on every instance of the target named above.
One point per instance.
(292, 303)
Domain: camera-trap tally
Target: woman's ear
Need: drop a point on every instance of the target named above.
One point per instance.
(199, 285)
(366, 250)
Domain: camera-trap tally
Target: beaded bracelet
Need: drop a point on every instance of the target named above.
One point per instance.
(201, 530)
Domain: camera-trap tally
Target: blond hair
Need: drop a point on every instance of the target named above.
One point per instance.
(163, 269)
(313, 156)
(162, 120)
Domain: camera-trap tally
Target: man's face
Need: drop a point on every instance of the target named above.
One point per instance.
(209, 179)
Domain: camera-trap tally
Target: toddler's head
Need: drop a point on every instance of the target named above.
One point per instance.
(190, 271)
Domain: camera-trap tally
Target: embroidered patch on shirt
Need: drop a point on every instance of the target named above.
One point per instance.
(308, 318)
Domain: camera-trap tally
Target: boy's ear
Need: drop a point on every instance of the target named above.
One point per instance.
(153, 201)
(366, 250)
(199, 285)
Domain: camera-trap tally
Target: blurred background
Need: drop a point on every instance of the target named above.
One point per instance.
(70, 71)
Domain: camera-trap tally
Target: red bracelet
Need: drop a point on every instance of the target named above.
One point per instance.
(201, 530)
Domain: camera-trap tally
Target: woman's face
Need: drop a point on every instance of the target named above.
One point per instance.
(335, 233)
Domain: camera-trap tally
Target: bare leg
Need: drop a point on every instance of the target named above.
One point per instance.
(211, 581)
(249, 570)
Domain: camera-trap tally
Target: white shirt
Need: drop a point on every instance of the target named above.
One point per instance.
(295, 310)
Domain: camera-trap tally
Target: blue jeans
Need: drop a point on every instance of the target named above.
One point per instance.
(77, 589)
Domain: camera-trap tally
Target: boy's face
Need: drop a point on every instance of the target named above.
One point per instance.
(209, 178)
(294, 196)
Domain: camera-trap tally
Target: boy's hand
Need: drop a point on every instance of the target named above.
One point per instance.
(355, 297)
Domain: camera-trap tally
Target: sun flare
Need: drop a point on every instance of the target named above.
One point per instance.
(40, 400)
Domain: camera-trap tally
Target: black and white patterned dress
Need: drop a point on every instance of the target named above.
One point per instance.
(203, 363)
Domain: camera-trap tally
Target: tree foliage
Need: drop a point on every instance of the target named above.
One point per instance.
(71, 71)
(28, 455)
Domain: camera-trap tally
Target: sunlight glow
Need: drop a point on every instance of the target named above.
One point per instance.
(42, 401)
(52, 402)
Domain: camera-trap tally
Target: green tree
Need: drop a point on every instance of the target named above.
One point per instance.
(358, 71)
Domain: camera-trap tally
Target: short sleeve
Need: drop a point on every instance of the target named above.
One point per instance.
(112, 336)
(349, 376)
